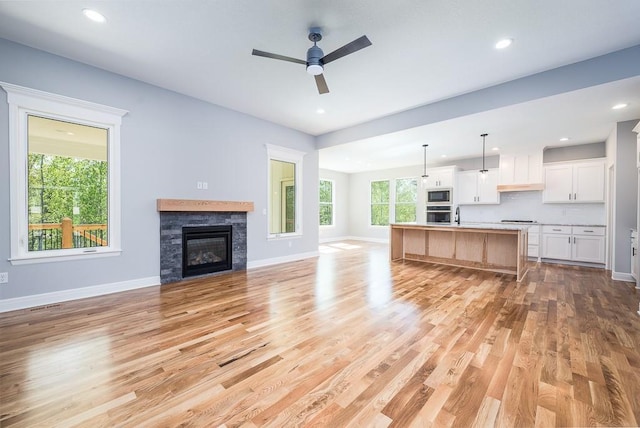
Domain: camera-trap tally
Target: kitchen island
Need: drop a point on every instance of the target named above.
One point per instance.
(494, 247)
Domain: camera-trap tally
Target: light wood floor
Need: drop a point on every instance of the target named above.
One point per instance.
(345, 339)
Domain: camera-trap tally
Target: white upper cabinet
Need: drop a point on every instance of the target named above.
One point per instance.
(440, 178)
(475, 188)
(520, 169)
(574, 182)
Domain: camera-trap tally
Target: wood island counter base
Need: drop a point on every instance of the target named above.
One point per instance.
(500, 249)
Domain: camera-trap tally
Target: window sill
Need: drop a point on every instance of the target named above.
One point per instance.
(33, 259)
(283, 236)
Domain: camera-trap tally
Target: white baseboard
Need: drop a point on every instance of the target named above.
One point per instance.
(326, 240)
(74, 294)
(354, 238)
(283, 259)
(621, 276)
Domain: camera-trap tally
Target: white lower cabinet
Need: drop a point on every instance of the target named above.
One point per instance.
(577, 243)
(556, 242)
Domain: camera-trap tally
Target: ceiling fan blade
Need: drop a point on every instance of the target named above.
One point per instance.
(347, 49)
(276, 56)
(321, 84)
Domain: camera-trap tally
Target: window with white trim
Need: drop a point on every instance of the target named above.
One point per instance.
(406, 196)
(379, 213)
(65, 176)
(284, 191)
(326, 202)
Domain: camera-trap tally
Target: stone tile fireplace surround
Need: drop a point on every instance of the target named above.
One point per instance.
(178, 213)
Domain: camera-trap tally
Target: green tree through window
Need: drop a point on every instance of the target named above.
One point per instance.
(326, 203)
(406, 196)
(380, 203)
(67, 172)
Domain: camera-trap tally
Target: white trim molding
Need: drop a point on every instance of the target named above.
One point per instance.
(622, 276)
(24, 102)
(285, 154)
(36, 300)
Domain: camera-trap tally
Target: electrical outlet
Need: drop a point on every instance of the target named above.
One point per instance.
(199, 185)
(4, 277)
(205, 185)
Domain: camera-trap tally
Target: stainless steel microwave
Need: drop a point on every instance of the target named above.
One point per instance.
(439, 196)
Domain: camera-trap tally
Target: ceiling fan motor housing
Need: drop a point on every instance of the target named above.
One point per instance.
(314, 65)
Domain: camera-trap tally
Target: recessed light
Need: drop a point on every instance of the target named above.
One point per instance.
(564, 139)
(93, 15)
(443, 156)
(619, 106)
(504, 43)
(320, 110)
(495, 149)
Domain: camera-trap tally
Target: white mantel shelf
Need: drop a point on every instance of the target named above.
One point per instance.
(195, 205)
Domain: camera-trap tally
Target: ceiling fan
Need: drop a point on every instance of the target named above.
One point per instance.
(316, 59)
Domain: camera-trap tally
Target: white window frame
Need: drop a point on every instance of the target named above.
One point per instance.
(389, 205)
(333, 203)
(396, 203)
(24, 102)
(285, 154)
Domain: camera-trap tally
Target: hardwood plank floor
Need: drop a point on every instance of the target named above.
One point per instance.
(347, 339)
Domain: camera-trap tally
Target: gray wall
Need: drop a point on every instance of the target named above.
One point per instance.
(568, 153)
(626, 189)
(595, 71)
(168, 142)
(340, 229)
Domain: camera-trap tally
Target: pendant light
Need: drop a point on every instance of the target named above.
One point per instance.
(483, 171)
(424, 174)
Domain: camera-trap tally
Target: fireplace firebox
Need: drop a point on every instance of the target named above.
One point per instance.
(206, 249)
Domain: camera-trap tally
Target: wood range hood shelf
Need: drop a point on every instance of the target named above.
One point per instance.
(520, 187)
(196, 205)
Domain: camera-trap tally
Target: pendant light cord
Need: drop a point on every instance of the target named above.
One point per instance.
(424, 174)
(483, 170)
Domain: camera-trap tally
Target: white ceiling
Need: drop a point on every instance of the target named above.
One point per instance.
(423, 51)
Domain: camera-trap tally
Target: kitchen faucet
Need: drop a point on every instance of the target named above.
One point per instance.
(457, 218)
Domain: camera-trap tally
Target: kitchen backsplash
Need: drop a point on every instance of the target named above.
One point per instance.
(529, 206)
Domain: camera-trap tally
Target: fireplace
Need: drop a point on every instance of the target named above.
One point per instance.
(178, 215)
(206, 249)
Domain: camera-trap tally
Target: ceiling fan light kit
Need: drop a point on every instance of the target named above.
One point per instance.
(316, 59)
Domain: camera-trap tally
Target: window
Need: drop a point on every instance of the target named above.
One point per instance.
(380, 203)
(285, 191)
(64, 167)
(406, 197)
(326, 203)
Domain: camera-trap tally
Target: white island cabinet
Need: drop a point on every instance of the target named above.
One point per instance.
(476, 189)
(574, 182)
